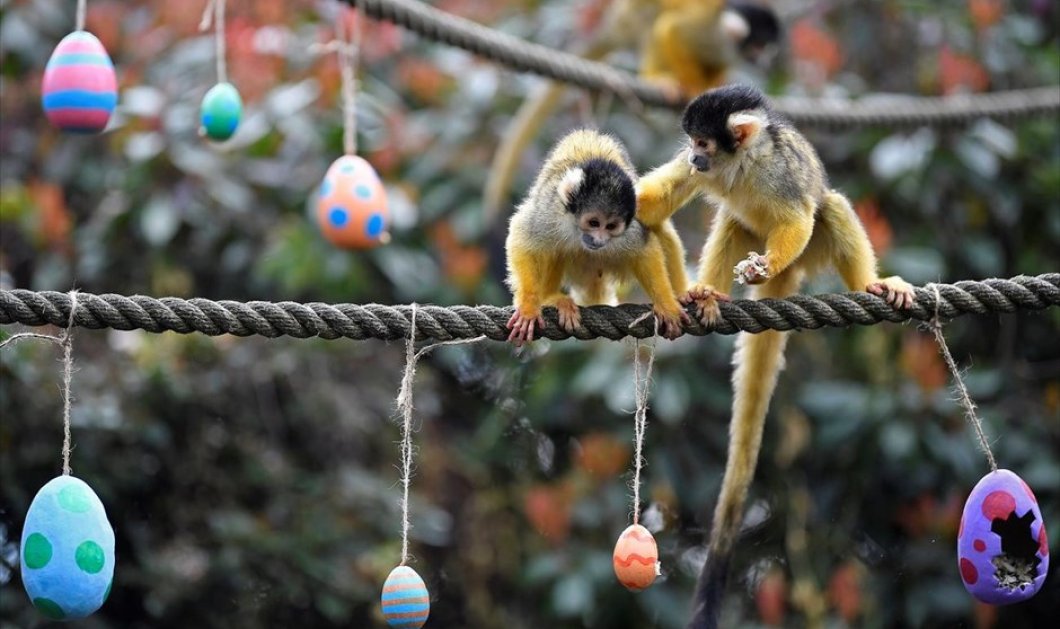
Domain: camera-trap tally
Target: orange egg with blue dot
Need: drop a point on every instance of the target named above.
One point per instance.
(636, 558)
(352, 207)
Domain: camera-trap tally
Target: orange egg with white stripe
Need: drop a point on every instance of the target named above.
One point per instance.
(406, 602)
(636, 558)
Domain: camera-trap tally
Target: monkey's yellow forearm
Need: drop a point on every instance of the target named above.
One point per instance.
(536, 280)
(650, 270)
(664, 190)
(673, 256)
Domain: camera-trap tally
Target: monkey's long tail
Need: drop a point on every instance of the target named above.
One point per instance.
(758, 360)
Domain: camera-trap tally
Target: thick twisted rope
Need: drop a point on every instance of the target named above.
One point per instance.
(523, 56)
(374, 321)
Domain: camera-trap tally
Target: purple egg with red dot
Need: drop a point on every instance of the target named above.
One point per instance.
(1002, 547)
(352, 207)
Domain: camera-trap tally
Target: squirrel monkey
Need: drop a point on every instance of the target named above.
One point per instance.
(773, 193)
(577, 225)
(693, 40)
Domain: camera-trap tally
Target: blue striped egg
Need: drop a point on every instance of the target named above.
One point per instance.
(79, 90)
(67, 550)
(406, 602)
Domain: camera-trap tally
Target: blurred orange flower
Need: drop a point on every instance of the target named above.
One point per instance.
(602, 456)
(844, 590)
(921, 361)
(959, 73)
(986, 13)
(548, 507)
(771, 597)
(816, 48)
(876, 224)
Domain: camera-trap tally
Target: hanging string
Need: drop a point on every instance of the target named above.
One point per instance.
(348, 58)
(81, 11)
(66, 339)
(963, 397)
(348, 51)
(215, 13)
(404, 404)
(641, 388)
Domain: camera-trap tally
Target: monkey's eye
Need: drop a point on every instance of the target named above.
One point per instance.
(594, 223)
(700, 143)
(610, 227)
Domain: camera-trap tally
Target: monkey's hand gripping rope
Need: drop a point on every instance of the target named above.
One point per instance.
(374, 321)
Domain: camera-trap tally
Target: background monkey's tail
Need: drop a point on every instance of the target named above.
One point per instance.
(758, 359)
(521, 132)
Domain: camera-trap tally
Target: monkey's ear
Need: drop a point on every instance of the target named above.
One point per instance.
(745, 127)
(735, 26)
(572, 180)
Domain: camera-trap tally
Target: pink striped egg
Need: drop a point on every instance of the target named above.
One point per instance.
(406, 603)
(79, 90)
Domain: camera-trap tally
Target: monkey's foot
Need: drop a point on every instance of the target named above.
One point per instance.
(522, 326)
(753, 270)
(670, 322)
(895, 291)
(706, 300)
(569, 315)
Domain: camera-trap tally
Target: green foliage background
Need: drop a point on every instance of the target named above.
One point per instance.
(252, 482)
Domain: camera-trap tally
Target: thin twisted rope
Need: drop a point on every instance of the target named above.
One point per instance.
(963, 397)
(641, 389)
(214, 13)
(405, 406)
(66, 339)
(375, 321)
(82, 9)
(523, 56)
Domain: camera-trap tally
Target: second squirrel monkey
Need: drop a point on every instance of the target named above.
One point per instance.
(576, 226)
(686, 45)
(773, 196)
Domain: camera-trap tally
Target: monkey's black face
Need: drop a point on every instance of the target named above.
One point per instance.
(700, 152)
(706, 122)
(603, 203)
(598, 228)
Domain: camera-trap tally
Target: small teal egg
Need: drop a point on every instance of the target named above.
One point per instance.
(221, 110)
(406, 603)
(67, 550)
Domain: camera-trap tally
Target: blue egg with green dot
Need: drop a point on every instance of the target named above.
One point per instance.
(67, 549)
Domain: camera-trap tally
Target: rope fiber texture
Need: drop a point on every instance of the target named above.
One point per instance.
(374, 321)
(880, 110)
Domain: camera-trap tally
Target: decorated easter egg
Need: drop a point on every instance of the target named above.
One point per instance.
(352, 209)
(79, 89)
(1002, 548)
(406, 602)
(636, 558)
(67, 550)
(221, 110)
